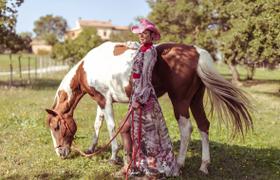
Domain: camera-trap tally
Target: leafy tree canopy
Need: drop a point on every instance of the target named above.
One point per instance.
(253, 36)
(74, 50)
(50, 28)
(246, 31)
(9, 40)
(123, 36)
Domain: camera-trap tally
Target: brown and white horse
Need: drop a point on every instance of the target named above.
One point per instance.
(182, 71)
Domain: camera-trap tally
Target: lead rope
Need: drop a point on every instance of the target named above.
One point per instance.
(134, 153)
(104, 147)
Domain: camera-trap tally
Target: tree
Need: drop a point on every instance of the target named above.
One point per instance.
(50, 28)
(26, 39)
(184, 21)
(8, 14)
(246, 31)
(123, 36)
(50, 38)
(253, 35)
(16, 43)
(74, 50)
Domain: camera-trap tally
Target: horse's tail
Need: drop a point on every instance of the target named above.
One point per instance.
(230, 103)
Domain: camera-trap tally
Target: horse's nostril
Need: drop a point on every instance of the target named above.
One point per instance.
(60, 151)
(63, 152)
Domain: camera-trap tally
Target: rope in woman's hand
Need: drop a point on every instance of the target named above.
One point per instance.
(75, 148)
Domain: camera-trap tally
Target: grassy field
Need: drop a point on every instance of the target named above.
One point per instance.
(24, 78)
(5, 61)
(26, 149)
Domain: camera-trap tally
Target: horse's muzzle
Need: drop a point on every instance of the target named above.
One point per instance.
(62, 152)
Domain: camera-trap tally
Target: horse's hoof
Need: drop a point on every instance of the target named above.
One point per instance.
(120, 174)
(203, 168)
(89, 151)
(204, 171)
(181, 165)
(117, 161)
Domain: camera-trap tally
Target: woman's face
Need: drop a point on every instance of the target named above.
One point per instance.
(145, 37)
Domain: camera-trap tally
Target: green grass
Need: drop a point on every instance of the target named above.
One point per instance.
(23, 79)
(5, 61)
(260, 74)
(26, 149)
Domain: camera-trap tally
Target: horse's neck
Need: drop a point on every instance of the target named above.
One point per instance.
(65, 104)
(68, 94)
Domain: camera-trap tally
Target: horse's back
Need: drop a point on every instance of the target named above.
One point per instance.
(108, 72)
(178, 56)
(175, 71)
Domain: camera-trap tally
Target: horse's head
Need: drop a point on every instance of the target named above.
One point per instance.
(63, 129)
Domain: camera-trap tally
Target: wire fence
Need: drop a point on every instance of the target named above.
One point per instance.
(23, 69)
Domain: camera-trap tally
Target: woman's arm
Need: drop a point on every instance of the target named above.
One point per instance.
(143, 90)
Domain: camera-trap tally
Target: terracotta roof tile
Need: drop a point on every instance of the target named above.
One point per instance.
(106, 24)
(95, 23)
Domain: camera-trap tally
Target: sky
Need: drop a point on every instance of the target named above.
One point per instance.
(120, 12)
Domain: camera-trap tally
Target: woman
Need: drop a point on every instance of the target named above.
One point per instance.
(148, 148)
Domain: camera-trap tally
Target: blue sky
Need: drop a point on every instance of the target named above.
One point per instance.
(121, 12)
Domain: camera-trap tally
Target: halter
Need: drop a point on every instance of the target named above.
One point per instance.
(65, 124)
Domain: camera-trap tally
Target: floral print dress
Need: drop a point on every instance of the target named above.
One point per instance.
(155, 153)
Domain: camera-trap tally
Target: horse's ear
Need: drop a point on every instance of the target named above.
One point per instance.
(51, 112)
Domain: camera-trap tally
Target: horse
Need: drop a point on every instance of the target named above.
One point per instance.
(184, 72)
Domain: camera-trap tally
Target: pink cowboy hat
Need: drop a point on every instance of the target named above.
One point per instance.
(146, 25)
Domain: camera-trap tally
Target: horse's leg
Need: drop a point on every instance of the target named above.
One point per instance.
(109, 116)
(185, 126)
(97, 125)
(203, 125)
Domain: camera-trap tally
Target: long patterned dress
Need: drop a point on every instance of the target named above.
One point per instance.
(154, 155)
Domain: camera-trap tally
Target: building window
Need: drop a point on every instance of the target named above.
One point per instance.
(104, 33)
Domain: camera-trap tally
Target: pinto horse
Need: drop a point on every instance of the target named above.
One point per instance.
(182, 71)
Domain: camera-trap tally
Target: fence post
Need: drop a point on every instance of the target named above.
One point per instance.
(11, 71)
(36, 66)
(48, 59)
(41, 66)
(19, 67)
(29, 77)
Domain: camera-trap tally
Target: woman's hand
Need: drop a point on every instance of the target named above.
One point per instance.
(136, 105)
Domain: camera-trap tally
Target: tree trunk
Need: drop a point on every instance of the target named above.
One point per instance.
(250, 72)
(235, 79)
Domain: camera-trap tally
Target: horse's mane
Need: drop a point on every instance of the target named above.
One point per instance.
(55, 100)
(63, 82)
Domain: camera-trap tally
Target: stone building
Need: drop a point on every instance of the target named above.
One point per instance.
(104, 28)
(40, 47)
